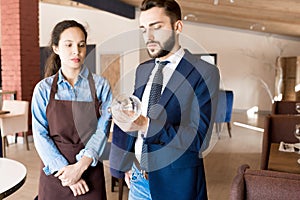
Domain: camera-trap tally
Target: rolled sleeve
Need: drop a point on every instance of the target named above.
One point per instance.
(54, 166)
(90, 153)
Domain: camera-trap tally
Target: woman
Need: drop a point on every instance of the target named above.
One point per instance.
(69, 133)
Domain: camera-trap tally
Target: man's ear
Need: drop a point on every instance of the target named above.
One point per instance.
(55, 49)
(178, 26)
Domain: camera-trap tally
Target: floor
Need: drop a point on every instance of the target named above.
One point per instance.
(222, 160)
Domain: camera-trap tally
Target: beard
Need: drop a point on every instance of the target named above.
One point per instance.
(165, 49)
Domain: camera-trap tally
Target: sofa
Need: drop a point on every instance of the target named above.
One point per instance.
(251, 184)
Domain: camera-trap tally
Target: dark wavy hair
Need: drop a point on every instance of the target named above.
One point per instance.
(53, 62)
(171, 7)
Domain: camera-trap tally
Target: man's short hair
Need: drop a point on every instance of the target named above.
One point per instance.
(171, 7)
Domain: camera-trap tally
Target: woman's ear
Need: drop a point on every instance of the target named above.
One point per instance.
(178, 26)
(55, 49)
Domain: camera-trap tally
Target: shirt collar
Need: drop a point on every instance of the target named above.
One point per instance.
(83, 74)
(174, 58)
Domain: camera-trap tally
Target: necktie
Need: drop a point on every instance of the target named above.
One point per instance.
(154, 97)
(156, 87)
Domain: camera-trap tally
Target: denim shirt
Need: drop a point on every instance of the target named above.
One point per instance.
(47, 150)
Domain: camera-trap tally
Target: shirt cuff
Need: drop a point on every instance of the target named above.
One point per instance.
(55, 166)
(90, 154)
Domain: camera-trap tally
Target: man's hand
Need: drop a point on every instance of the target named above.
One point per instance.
(128, 175)
(79, 188)
(140, 124)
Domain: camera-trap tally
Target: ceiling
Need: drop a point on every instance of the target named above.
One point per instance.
(269, 16)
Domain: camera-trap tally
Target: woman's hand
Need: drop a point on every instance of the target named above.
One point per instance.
(71, 174)
(79, 188)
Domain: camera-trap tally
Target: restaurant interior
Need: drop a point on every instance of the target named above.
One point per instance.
(254, 148)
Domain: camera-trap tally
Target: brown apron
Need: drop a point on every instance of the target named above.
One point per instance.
(71, 124)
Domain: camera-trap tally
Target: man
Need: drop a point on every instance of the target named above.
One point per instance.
(171, 134)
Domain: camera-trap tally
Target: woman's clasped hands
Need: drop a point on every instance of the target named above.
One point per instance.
(70, 176)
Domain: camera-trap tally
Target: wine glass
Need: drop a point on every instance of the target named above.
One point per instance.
(297, 135)
(297, 107)
(125, 108)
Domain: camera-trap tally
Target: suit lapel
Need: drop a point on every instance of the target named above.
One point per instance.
(182, 71)
(180, 75)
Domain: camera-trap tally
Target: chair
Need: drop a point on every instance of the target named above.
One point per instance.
(284, 107)
(15, 121)
(224, 110)
(251, 184)
(120, 182)
(277, 128)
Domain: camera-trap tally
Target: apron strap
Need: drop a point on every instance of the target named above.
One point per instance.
(92, 89)
(54, 87)
(92, 86)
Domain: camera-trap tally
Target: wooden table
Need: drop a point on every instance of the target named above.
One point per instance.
(2, 112)
(12, 176)
(283, 161)
(13, 93)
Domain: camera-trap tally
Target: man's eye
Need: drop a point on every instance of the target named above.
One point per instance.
(68, 45)
(156, 27)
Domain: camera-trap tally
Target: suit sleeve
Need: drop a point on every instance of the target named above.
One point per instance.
(120, 157)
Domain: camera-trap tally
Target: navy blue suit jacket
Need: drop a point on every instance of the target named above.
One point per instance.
(179, 130)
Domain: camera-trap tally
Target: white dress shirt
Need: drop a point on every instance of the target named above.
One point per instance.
(168, 70)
